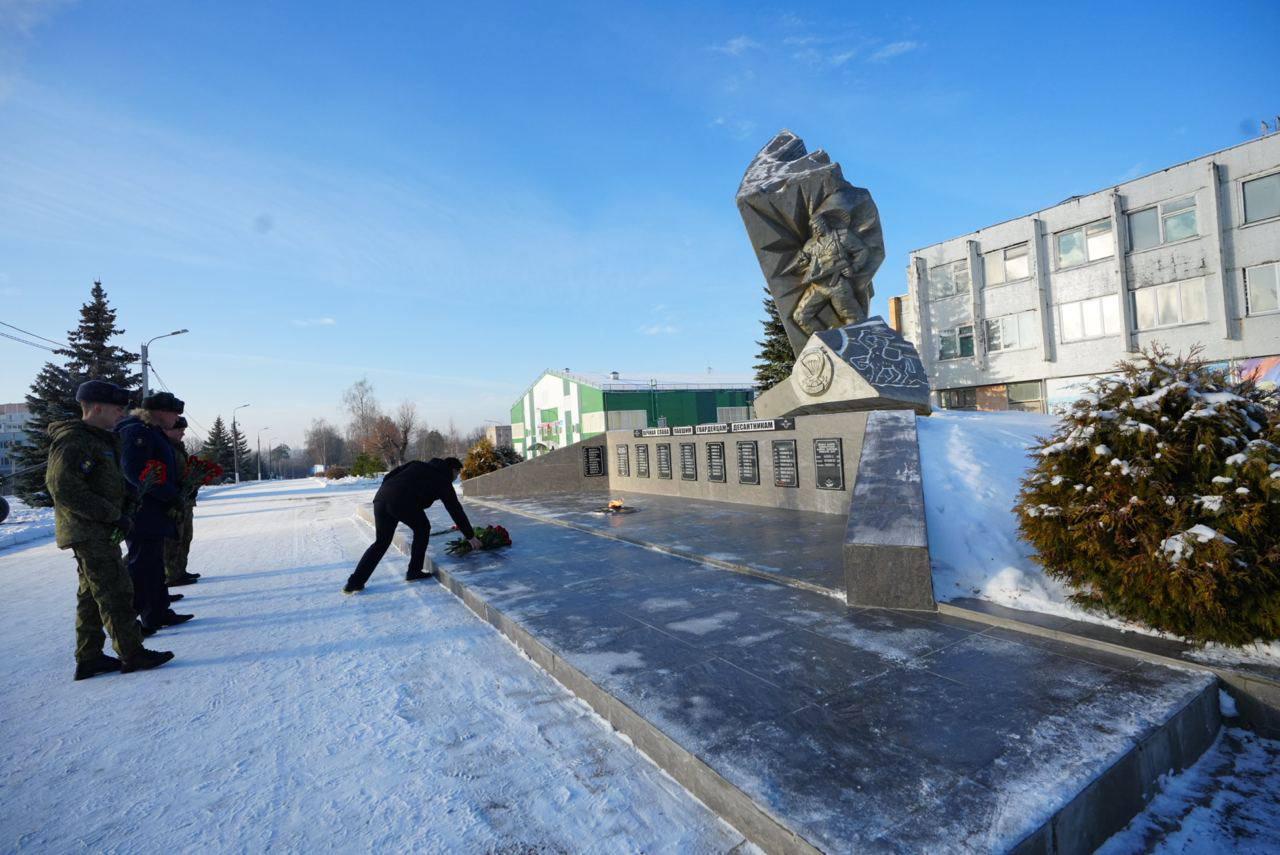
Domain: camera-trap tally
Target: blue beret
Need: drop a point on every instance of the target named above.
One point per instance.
(102, 392)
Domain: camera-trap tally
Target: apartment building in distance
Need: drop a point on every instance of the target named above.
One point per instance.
(13, 430)
(1021, 314)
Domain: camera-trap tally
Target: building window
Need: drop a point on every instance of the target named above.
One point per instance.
(959, 399)
(1085, 243)
(732, 414)
(1169, 305)
(956, 343)
(1262, 289)
(1262, 198)
(1085, 319)
(947, 280)
(1164, 223)
(1012, 332)
(1007, 265)
(1024, 396)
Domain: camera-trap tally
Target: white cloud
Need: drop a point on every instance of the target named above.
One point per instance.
(739, 129)
(660, 329)
(893, 49)
(314, 322)
(737, 46)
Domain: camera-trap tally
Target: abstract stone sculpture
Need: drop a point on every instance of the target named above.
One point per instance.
(816, 236)
(866, 366)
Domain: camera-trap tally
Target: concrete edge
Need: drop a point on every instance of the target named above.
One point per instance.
(1110, 801)
(1257, 699)
(722, 798)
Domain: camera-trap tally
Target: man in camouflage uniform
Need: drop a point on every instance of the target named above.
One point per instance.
(89, 494)
(176, 549)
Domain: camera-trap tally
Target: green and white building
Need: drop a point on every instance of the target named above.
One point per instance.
(563, 407)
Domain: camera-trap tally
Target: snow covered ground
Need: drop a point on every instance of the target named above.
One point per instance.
(299, 719)
(973, 465)
(24, 524)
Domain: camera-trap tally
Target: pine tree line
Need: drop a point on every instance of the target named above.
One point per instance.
(776, 357)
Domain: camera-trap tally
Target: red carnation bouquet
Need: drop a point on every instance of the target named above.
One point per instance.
(153, 472)
(490, 537)
(199, 473)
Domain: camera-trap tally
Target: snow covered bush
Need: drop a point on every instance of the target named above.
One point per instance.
(1158, 500)
(484, 457)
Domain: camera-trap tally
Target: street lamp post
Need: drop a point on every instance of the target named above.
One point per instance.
(268, 427)
(146, 365)
(235, 444)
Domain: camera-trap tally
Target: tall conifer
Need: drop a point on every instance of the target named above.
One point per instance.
(89, 355)
(776, 357)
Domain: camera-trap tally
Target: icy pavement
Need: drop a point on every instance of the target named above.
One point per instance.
(296, 718)
(25, 524)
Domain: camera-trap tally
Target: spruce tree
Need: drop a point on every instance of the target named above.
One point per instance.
(89, 355)
(240, 446)
(217, 446)
(776, 357)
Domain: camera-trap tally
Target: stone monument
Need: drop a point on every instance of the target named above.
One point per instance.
(819, 244)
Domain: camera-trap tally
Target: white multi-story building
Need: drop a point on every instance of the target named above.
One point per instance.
(1018, 314)
(13, 430)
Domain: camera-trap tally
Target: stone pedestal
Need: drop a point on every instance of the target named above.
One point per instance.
(866, 366)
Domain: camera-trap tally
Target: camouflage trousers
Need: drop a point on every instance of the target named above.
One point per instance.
(176, 549)
(104, 598)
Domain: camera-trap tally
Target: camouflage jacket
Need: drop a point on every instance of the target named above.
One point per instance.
(86, 482)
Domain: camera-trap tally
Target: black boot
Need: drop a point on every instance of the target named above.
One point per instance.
(145, 660)
(349, 588)
(415, 575)
(147, 631)
(104, 664)
(189, 579)
(173, 619)
(173, 598)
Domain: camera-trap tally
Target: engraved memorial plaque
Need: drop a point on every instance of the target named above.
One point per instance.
(664, 460)
(786, 463)
(688, 461)
(715, 462)
(593, 461)
(642, 461)
(828, 463)
(748, 462)
(624, 461)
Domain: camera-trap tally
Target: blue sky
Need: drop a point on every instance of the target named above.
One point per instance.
(448, 198)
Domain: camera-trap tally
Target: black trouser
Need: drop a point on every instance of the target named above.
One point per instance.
(385, 517)
(146, 569)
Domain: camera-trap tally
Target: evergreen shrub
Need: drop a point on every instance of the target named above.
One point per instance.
(335, 472)
(484, 457)
(365, 465)
(1158, 500)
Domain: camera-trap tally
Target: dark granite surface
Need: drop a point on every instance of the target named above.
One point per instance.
(858, 729)
(797, 546)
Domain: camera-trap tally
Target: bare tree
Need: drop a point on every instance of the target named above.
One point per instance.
(359, 402)
(323, 443)
(429, 443)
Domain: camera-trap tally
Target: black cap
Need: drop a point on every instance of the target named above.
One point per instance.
(102, 392)
(181, 423)
(453, 462)
(163, 401)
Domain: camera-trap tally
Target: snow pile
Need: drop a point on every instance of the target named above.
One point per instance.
(25, 524)
(973, 465)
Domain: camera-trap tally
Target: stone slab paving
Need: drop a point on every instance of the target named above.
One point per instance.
(799, 547)
(862, 730)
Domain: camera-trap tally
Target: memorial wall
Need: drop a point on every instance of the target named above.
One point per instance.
(807, 463)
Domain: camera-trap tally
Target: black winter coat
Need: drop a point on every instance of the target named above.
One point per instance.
(416, 485)
(142, 442)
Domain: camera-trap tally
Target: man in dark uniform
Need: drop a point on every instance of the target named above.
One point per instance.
(176, 549)
(405, 492)
(90, 501)
(142, 435)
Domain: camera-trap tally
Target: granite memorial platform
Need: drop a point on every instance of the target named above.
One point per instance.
(810, 726)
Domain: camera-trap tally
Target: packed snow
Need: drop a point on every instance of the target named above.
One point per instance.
(296, 718)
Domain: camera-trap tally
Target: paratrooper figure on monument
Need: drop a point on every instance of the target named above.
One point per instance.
(832, 265)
